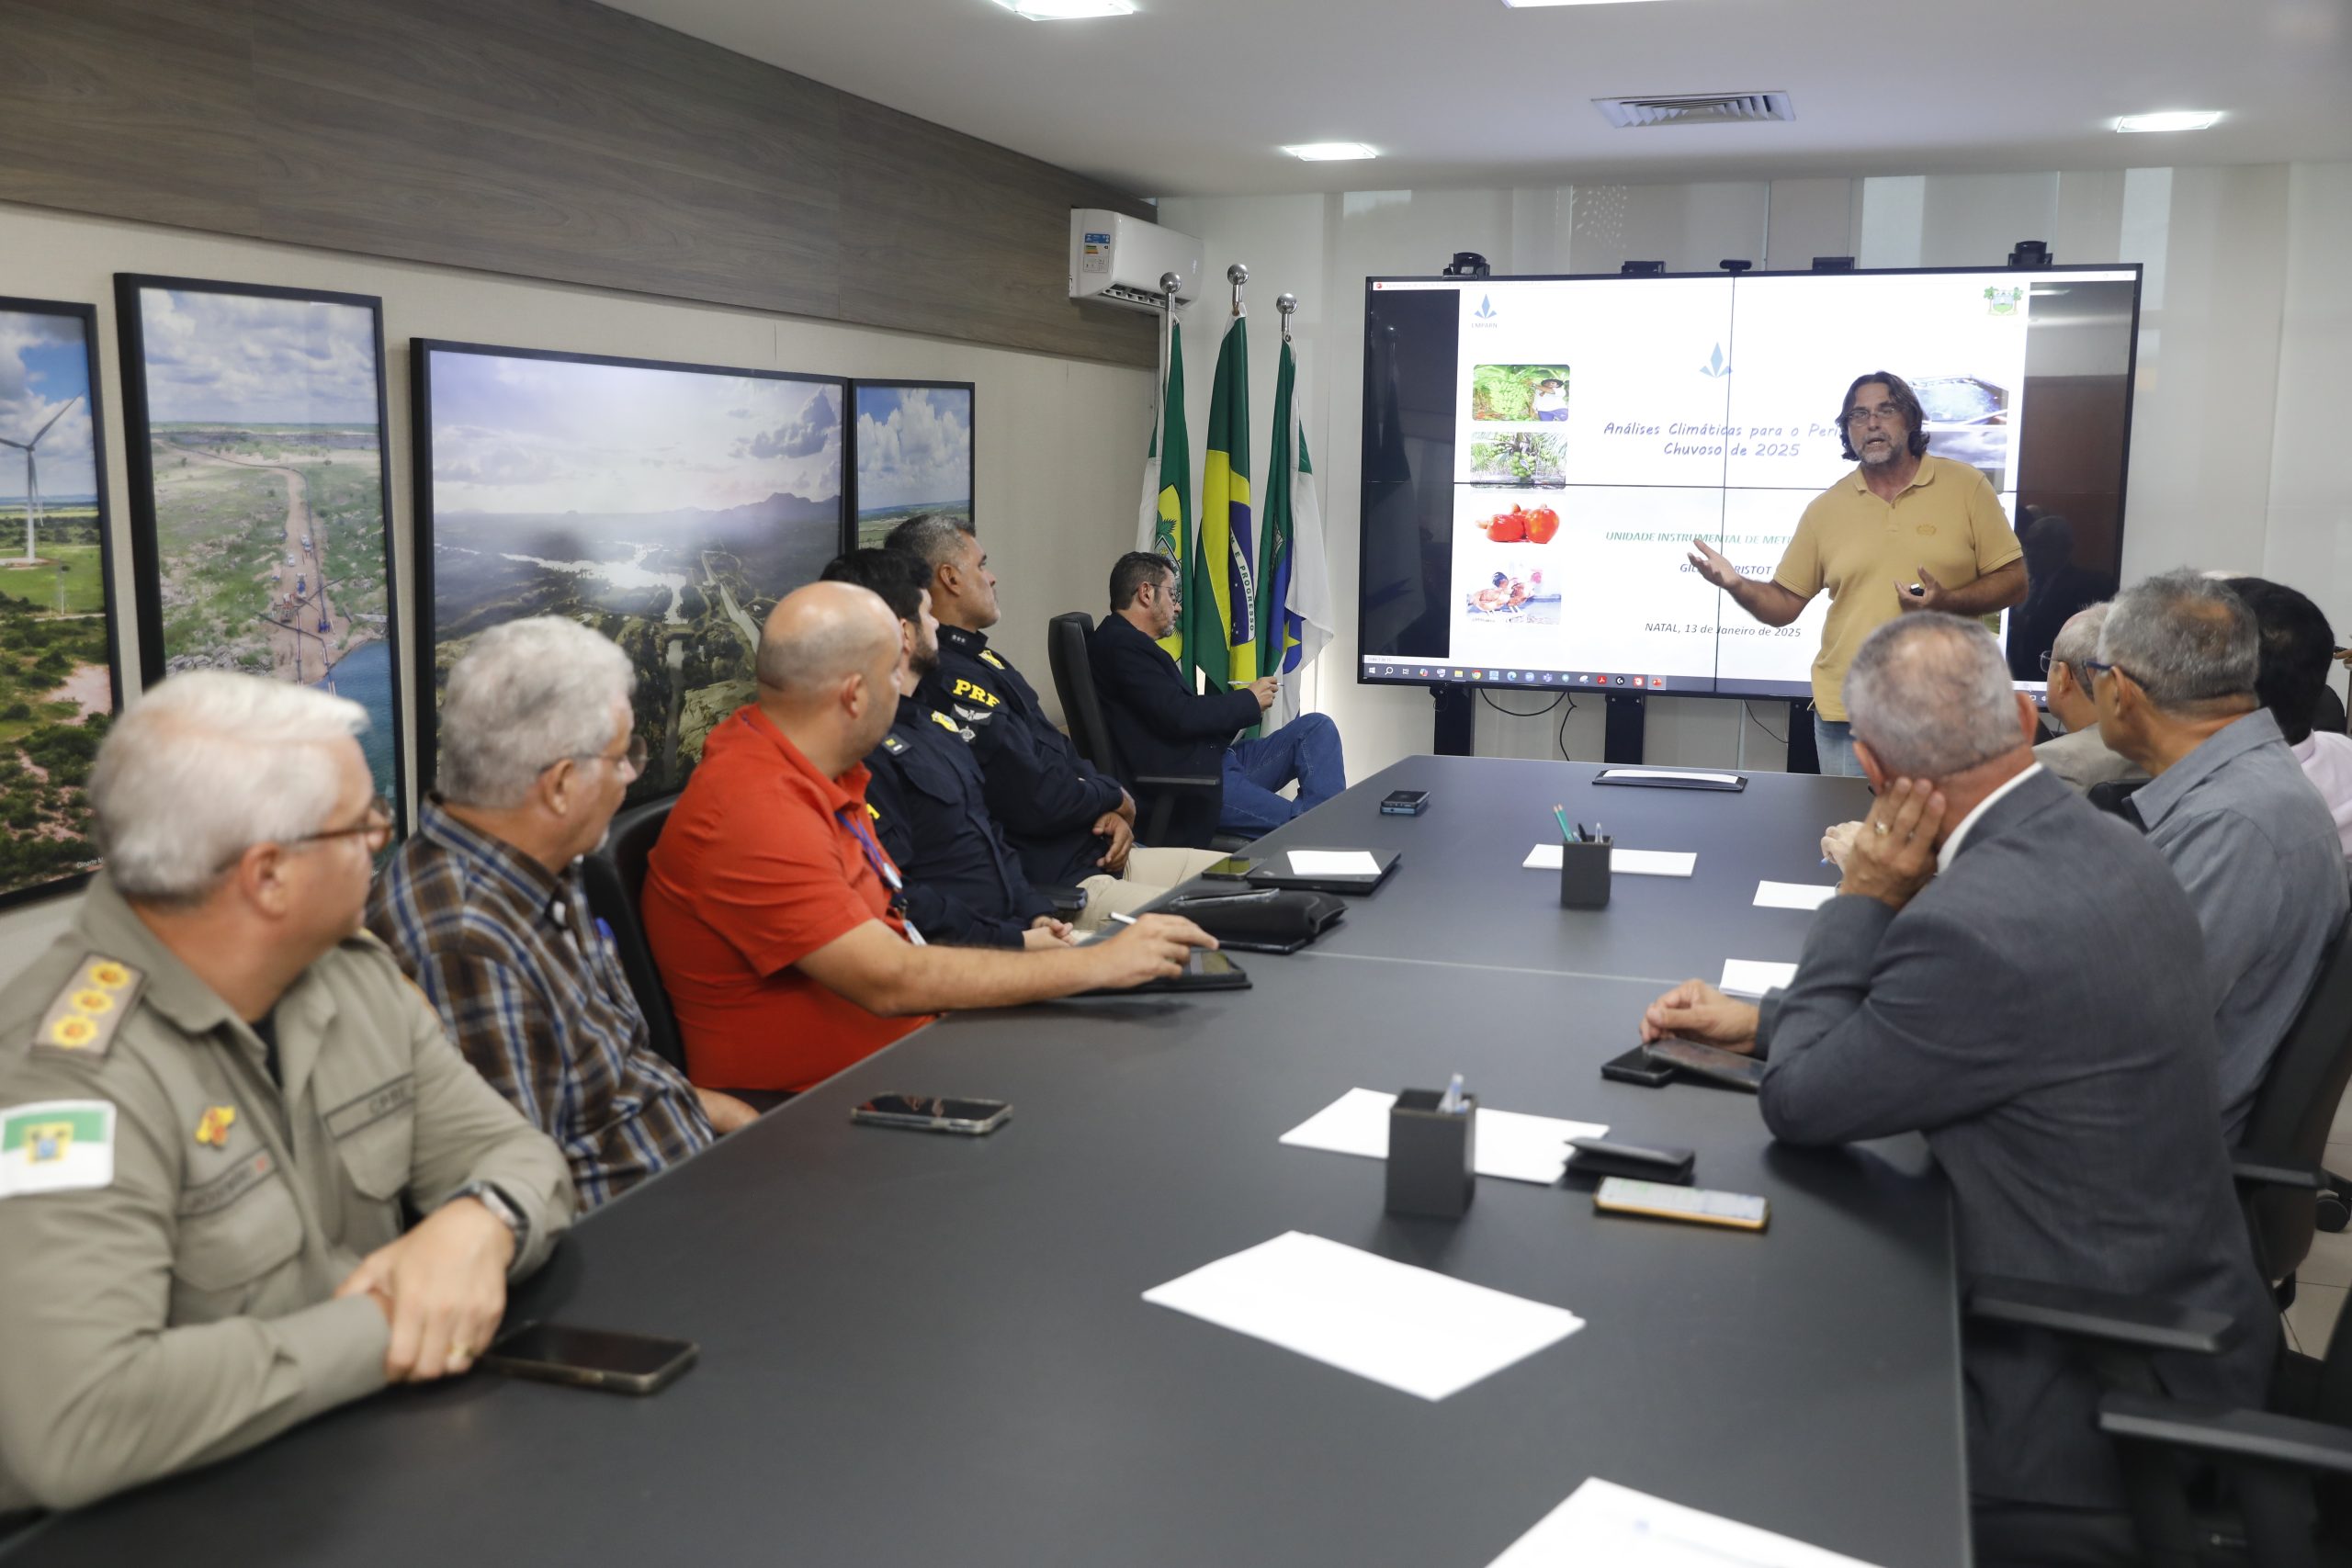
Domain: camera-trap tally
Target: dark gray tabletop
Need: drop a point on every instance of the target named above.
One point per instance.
(921, 1349)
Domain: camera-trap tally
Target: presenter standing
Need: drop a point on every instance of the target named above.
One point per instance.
(1903, 531)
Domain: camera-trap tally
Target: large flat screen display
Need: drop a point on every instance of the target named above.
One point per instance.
(1540, 452)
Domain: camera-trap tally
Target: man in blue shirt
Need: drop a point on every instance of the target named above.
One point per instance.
(484, 908)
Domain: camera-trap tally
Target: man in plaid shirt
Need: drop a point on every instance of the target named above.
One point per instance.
(484, 908)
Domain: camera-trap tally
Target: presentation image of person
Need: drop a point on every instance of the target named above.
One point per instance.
(779, 923)
(1551, 401)
(1903, 519)
(1071, 824)
(2227, 809)
(2080, 757)
(965, 886)
(2070, 1104)
(1162, 727)
(2292, 684)
(219, 1100)
(485, 906)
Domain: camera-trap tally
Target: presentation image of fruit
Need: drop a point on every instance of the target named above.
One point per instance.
(1522, 524)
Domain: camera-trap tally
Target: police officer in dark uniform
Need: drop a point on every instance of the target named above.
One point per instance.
(964, 885)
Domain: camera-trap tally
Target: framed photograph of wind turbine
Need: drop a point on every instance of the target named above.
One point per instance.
(668, 506)
(61, 675)
(913, 443)
(260, 491)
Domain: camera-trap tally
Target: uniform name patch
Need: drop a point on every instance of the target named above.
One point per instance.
(371, 1107)
(56, 1145)
(226, 1187)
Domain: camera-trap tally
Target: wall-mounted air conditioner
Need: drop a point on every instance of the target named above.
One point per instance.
(1118, 260)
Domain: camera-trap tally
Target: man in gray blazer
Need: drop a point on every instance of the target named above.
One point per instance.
(2020, 979)
(2080, 756)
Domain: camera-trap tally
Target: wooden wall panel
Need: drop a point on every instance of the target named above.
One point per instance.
(550, 139)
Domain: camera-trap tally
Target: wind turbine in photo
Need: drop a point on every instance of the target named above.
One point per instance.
(32, 473)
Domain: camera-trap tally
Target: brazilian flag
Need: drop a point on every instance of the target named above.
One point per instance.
(1222, 601)
(1171, 520)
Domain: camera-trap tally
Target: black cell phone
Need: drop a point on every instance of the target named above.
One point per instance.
(1232, 868)
(1636, 1066)
(1405, 802)
(590, 1358)
(1645, 1162)
(930, 1113)
(1716, 1066)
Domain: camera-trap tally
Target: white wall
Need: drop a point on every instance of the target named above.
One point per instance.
(2243, 318)
(1059, 443)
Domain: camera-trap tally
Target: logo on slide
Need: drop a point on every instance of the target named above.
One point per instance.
(1486, 311)
(1715, 367)
(2002, 301)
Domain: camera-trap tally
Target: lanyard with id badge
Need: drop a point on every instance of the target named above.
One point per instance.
(883, 869)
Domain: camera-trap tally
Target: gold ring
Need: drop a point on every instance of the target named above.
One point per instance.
(1882, 829)
(458, 1353)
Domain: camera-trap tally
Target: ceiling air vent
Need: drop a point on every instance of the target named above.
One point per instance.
(1695, 108)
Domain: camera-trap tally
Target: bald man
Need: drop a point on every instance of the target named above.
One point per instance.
(778, 920)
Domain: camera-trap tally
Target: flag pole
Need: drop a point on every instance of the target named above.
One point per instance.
(1237, 275)
(1286, 304)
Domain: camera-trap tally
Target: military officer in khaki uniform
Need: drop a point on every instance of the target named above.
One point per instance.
(217, 1092)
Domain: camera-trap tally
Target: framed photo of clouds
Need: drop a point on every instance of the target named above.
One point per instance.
(60, 673)
(668, 506)
(913, 443)
(260, 491)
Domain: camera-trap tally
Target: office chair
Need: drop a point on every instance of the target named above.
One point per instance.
(615, 874)
(2278, 1162)
(1157, 796)
(2110, 795)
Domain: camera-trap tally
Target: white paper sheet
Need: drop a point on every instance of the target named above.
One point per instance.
(1416, 1331)
(1667, 773)
(1333, 862)
(1793, 895)
(1754, 977)
(1628, 863)
(1605, 1523)
(1509, 1143)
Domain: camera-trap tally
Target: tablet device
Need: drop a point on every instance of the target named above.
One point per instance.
(1205, 969)
(1322, 870)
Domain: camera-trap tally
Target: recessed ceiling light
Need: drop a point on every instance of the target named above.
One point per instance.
(1522, 4)
(2178, 120)
(1330, 152)
(1066, 10)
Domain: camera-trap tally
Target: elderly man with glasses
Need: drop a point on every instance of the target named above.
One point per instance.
(1904, 531)
(2230, 809)
(484, 905)
(2080, 756)
(219, 1102)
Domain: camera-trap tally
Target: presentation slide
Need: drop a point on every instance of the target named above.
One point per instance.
(1598, 425)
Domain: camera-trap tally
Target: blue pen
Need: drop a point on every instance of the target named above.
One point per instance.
(1451, 1103)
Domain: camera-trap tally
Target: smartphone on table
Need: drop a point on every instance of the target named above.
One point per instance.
(589, 1358)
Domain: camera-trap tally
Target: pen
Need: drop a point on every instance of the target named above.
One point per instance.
(1123, 919)
(1453, 1100)
(1562, 813)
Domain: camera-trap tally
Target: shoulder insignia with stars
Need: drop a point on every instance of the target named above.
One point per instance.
(90, 1007)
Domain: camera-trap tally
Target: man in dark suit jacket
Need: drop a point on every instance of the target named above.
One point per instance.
(1161, 726)
(2020, 979)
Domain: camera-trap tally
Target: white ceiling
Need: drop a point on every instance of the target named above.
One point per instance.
(1194, 96)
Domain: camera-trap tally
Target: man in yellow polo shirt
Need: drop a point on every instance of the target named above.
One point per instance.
(1903, 531)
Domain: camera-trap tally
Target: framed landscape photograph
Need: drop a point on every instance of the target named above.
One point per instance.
(668, 506)
(61, 675)
(260, 491)
(913, 443)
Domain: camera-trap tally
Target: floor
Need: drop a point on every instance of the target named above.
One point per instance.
(2325, 1278)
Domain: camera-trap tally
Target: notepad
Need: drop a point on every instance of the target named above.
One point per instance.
(1416, 1331)
(1669, 775)
(1792, 895)
(1603, 1522)
(1753, 976)
(1631, 862)
(1333, 862)
(1509, 1143)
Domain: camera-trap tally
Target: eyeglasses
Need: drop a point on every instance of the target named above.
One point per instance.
(2095, 668)
(633, 758)
(1885, 414)
(375, 827)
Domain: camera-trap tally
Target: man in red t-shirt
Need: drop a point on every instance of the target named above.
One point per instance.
(770, 905)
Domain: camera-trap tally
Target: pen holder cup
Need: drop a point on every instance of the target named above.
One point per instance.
(1432, 1155)
(1584, 875)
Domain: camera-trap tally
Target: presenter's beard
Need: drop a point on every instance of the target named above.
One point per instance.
(1877, 449)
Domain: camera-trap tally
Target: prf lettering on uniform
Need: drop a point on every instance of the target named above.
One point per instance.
(965, 689)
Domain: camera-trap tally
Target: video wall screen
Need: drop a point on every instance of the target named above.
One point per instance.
(1540, 452)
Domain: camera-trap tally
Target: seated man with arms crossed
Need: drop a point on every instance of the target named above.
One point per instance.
(1069, 824)
(2229, 810)
(965, 886)
(2080, 757)
(485, 910)
(218, 1097)
(2070, 1103)
(779, 923)
(1161, 726)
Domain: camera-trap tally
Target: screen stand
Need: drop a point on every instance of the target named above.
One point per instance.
(1622, 735)
(1456, 720)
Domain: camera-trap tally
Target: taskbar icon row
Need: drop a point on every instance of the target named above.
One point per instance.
(1382, 669)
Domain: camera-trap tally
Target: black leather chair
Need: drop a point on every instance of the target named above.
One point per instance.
(2286, 1132)
(2110, 795)
(1156, 793)
(615, 879)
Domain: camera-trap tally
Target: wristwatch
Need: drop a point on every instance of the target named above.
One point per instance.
(499, 1204)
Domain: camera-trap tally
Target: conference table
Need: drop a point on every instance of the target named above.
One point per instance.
(926, 1349)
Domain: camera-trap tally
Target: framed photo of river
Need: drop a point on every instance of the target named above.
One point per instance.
(667, 506)
(60, 677)
(260, 489)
